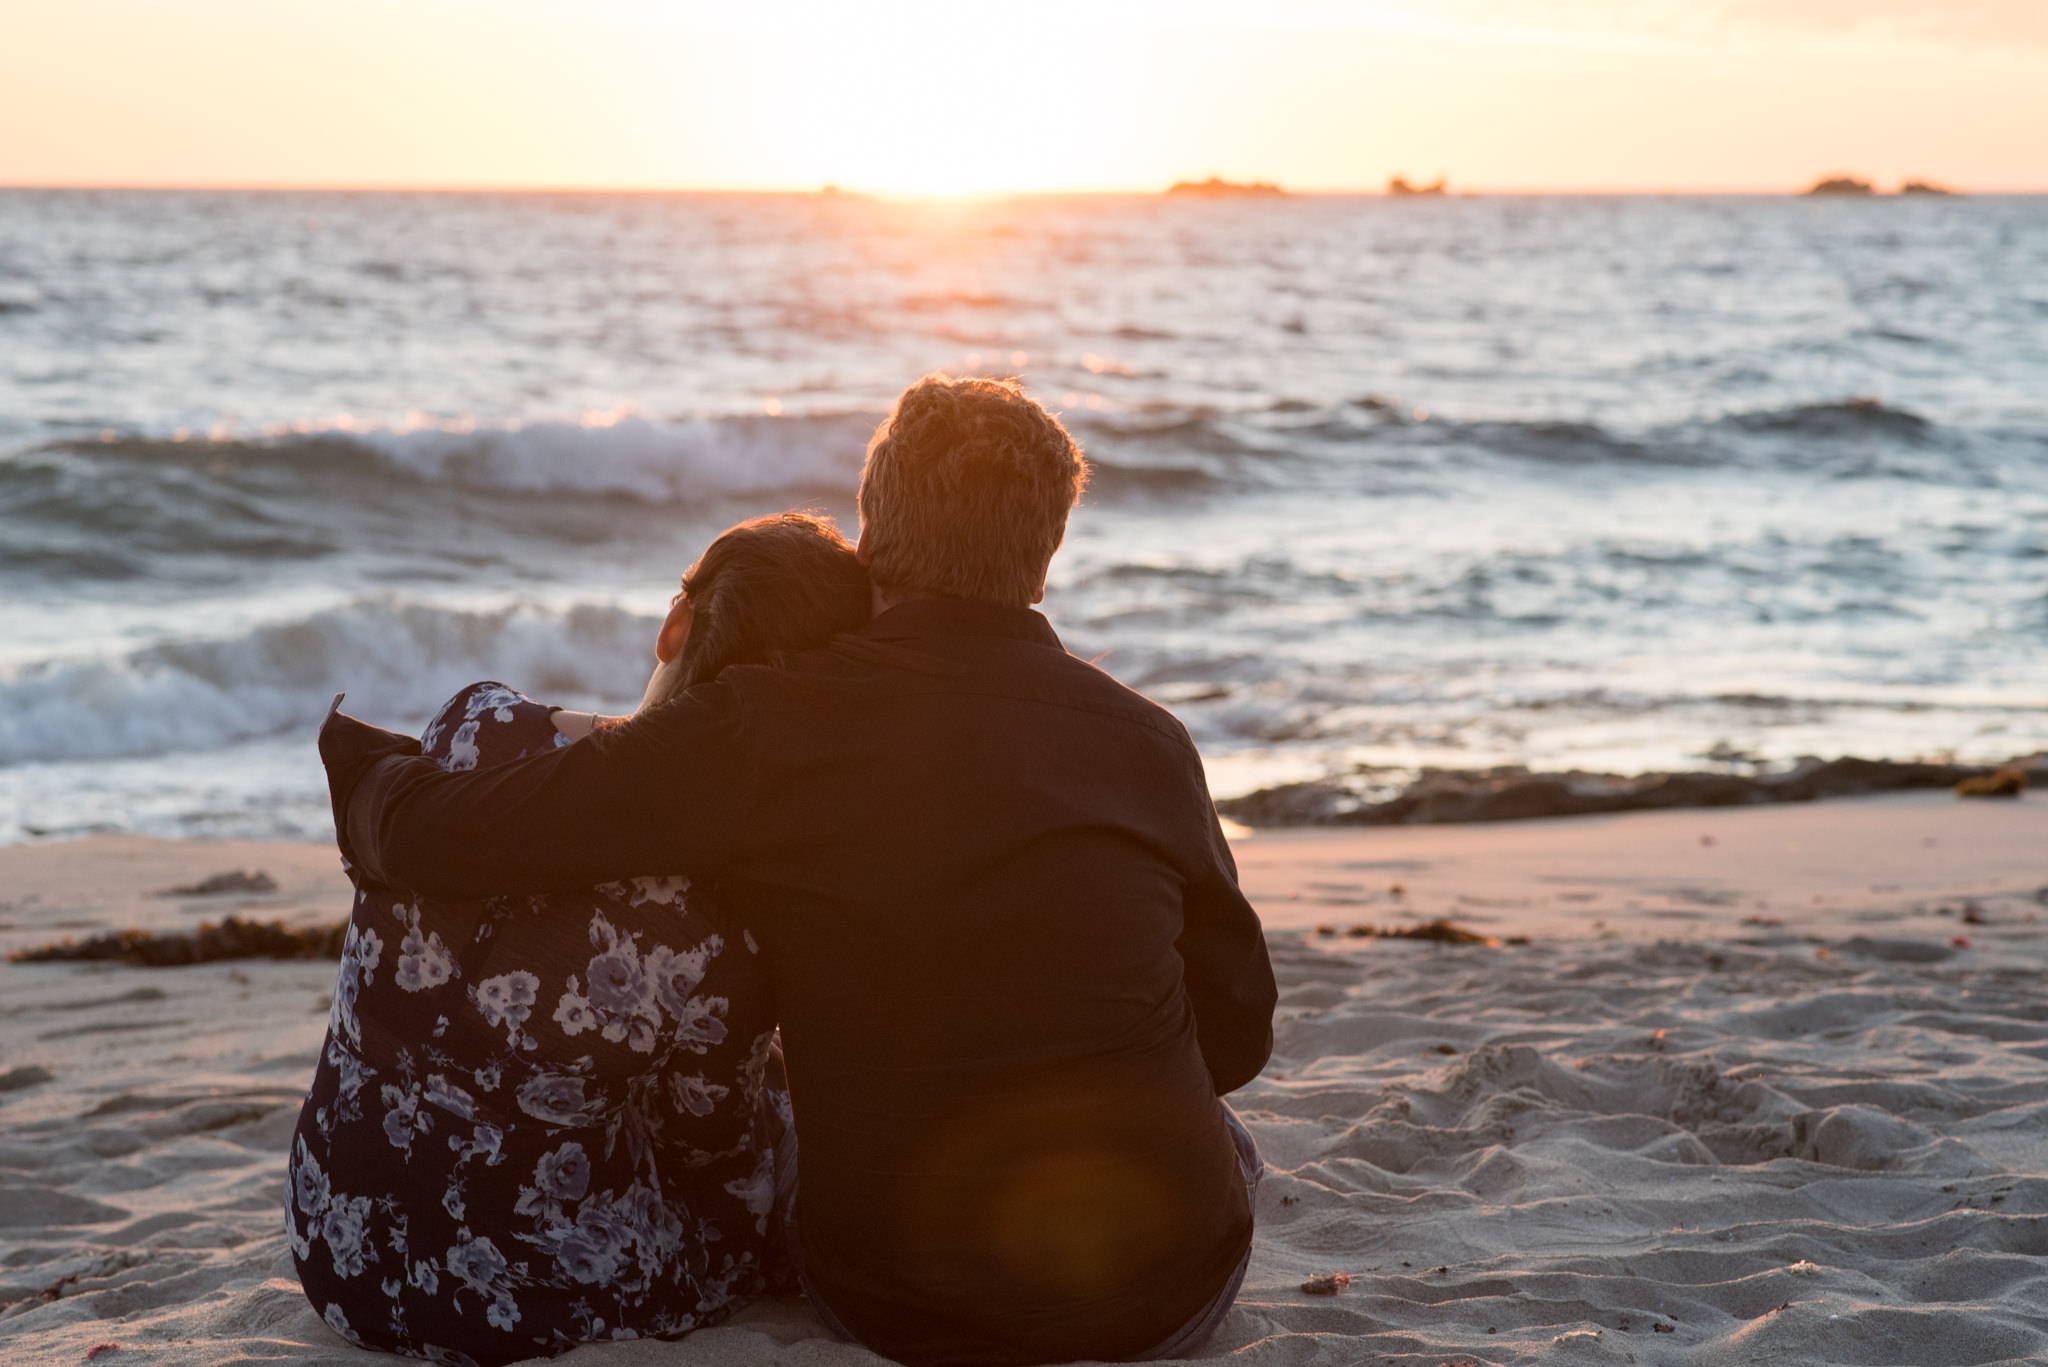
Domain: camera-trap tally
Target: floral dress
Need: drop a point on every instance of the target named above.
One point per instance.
(533, 1121)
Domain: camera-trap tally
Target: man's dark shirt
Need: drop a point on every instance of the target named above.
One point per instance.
(1010, 959)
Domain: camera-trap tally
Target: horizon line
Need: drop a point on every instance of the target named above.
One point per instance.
(829, 189)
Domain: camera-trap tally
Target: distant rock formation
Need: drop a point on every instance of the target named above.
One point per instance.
(1399, 185)
(1218, 187)
(1840, 185)
(1922, 187)
(1510, 794)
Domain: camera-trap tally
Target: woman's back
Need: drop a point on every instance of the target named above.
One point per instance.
(532, 1121)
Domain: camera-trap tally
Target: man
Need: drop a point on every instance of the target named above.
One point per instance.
(1010, 960)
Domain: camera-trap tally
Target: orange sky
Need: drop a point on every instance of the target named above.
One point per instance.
(911, 96)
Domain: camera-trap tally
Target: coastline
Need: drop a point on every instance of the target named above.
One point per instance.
(1741, 1093)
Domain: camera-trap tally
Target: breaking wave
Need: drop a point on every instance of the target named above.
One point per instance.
(604, 454)
(397, 660)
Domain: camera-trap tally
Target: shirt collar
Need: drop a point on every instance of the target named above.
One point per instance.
(922, 617)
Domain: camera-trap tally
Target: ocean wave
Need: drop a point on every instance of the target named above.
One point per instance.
(604, 454)
(121, 507)
(1552, 442)
(1200, 430)
(396, 660)
(1113, 479)
(118, 506)
(660, 462)
(1862, 417)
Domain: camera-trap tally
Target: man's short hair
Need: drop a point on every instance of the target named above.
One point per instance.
(966, 491)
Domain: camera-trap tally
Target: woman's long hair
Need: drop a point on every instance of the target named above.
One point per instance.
(764, 589)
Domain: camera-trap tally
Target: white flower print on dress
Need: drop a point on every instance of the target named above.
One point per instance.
(486, 1142)
(507, 1000)
(557, 1100)
(424, 962)
(342, 1228)
(351, 1075)
(620, 1002)
(309, 1184)
(338, 1322)
(308, 1194)
(360, 952)
(592, 1249)
(699, 1023)
(696, 1095)
(449, 1097)
(463, 753)
(666, 891)
(564, 1174)
(573, 1013)
(497, 700)
(757, 1189)
(477, 1264)
(403, 1118)
(676, 973)
(301, 1245)
(618, 987)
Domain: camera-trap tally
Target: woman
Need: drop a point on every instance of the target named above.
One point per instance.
(532, 1124)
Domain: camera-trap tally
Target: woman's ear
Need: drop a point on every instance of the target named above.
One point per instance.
(675, 631)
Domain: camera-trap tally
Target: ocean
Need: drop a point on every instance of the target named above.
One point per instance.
(1608, 483)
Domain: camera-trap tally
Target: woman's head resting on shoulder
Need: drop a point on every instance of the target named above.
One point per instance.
(766, 588)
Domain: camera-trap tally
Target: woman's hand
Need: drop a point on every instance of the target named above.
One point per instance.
(666, 681)
(577, 725)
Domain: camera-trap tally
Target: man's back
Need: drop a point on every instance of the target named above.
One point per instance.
(970, 859)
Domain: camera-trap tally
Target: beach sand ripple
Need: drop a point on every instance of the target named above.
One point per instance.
(1581, 1150)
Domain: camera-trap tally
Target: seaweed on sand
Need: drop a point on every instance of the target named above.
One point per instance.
(1440, 931)
(233, 938)
(224, 884)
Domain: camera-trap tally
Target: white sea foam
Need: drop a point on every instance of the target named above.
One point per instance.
(624, 453)
(395, 659)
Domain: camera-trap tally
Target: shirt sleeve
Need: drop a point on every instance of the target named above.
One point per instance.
(1228, 974)
(660, 793)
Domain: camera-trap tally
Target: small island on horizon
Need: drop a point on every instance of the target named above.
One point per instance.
(1217, 187)
(1847, 186)
(1400, 185)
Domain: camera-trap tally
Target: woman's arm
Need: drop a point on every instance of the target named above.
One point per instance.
(660, 793)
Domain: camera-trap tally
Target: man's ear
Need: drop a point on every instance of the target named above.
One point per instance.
(861, 552)
(1039, 597)
(675, 631)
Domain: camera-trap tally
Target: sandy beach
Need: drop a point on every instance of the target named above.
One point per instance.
(1763, 1085)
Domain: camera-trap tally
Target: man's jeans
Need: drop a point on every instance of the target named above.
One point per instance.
(1179, 1344)
(1209, 1319)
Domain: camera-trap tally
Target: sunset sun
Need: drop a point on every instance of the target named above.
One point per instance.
(974, 103)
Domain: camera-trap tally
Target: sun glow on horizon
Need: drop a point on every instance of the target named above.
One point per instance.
(978, 105)
(918, 98)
